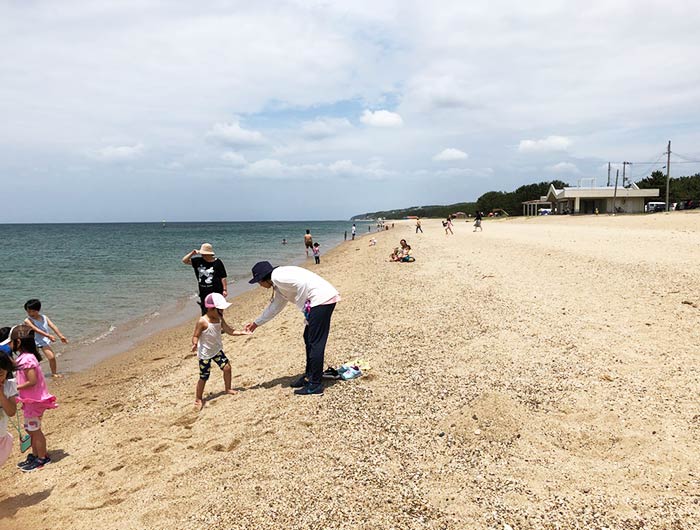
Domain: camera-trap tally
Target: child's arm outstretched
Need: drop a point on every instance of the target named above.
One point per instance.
(228, 329)
(200, 326)
(54, 327)
(37, 331)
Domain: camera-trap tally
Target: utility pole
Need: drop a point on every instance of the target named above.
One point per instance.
(608, 174)
(624, 167)
(668, 173)
(617, 174)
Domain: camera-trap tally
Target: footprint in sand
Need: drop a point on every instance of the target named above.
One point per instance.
(161, 448)
(227, 448)
(117, 468)
(112, 501)
(185, 421)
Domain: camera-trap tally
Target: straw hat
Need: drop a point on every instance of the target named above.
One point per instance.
(206, 250)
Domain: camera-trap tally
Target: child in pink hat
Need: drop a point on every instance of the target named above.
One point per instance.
(207, 342)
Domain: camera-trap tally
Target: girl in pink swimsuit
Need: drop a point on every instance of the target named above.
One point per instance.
(33, 394)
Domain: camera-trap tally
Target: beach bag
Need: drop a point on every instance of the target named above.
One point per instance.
(25, 441)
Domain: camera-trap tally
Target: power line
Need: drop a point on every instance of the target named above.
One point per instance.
(686, 158)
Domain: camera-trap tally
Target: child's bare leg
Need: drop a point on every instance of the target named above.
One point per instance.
(198, 401)
(52, 360)
(227, 380)
(38, 443)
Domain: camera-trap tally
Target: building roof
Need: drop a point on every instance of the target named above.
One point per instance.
(602, 192)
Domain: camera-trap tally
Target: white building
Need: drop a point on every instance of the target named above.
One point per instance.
(605, 198)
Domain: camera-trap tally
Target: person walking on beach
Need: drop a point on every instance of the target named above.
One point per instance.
(315, 298)
(353, 231)
(206, 341)
(317, 253)
(33, 394)
(446, 226)
(43, 337)
(210, 272)
(418, 226)
(308, 242)
(477, 221)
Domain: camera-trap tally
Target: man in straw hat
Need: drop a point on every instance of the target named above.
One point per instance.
(210, 272)
(315, 298)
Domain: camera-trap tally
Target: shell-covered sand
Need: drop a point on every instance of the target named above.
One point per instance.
(541, 374)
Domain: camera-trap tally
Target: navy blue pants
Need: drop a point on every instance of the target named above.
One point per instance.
(315, 338)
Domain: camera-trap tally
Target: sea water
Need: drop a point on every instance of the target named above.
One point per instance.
(114, 283)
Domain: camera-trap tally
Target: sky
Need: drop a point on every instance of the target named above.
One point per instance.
(300, 110)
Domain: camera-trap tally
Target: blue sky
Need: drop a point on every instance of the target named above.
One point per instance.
(149, 110)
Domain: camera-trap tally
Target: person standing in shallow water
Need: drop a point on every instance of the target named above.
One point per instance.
(210, 272)
(308, 242)
(315, 298)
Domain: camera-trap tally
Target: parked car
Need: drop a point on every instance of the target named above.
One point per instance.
(655, 206)
(688, 205)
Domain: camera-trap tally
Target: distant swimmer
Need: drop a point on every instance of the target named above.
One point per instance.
(284, 241)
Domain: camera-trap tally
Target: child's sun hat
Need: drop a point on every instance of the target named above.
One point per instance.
(216, 300)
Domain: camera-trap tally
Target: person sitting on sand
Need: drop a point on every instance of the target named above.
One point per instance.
(399, 252)
(206, 341)
(406, 255)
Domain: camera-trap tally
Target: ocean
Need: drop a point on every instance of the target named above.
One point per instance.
(107, 286)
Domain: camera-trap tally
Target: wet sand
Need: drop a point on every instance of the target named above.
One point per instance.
(541, 374)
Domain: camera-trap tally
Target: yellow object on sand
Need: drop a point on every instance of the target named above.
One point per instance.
(361, 364)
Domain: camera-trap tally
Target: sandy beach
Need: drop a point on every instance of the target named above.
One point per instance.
(540, 374)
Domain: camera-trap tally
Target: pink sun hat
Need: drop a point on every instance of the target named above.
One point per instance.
(216, 300)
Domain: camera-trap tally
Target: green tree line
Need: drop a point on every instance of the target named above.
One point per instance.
(680, 188)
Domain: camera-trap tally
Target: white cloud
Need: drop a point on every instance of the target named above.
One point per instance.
(545, 145)
(381, 118)
(233, 135)
(324, 127)
(235, 159)
(294, 101)
(450, 154)
(346, 168)
(118, 153)
(564, 168)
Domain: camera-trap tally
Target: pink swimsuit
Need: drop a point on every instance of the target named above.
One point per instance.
(35, 399)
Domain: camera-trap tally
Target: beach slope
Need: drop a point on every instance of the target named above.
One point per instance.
(541, 374)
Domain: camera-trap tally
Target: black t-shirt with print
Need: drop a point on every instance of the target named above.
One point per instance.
(209, 275)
